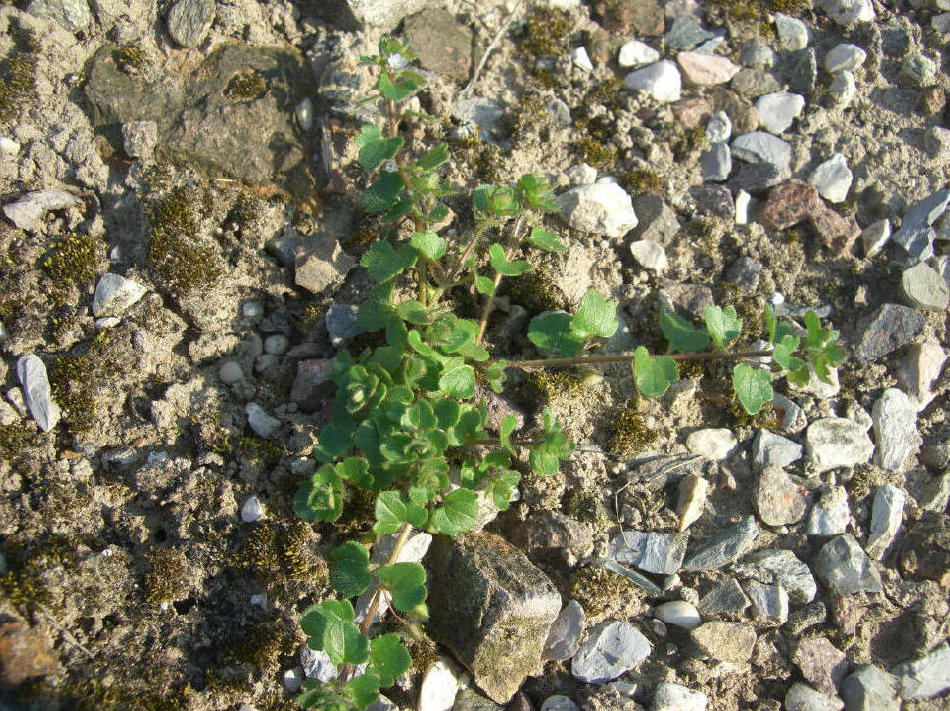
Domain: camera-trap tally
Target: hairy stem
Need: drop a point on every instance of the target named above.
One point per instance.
(628, 358)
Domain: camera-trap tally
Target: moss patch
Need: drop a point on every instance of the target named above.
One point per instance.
(642, 180)
(130, 58)
(246, 86)
(71, 260)
(17, 85)
(536, 290)
(167, 576)
(546, 33)
(630, 435)
(600, 592)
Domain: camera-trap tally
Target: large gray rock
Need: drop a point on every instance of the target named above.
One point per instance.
(602, 208)
(837, 442)
(28, 212)
(895, 428)
(74, 15)
(892, 327)
(926, 677)
(871, 689)
(654, 552)
(190, 20)
(782, 566)
(724, 547)
(845, 568)
(31, 372)
(355, 14)
(924, 288)
(492, 608)
(611, 649)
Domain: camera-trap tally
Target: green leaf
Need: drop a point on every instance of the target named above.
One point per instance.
(393, 510)
(547, 241)
(500, 486)
(595, 317)
(438, 213)
(413, 312)
(770, 322)
(493, 202)
(406, 583)
(681, 335)
(536, 193)
(331, 629)
(384, 262)
(419, 416)
(543, 462)
(458, 381)
(377, 311)
(350, 576)
(500, 263)
(447, 412)
(508, 425)
(320, 498)
(334, 440)
(723, 324)
(753, 386)
(484, 285)
(364, 689)
(402, 207)
(356, 470)
(428, 243)
(653, 374)
(495, 375)
(434, 157)
(458, 513)
(798, 376)
(397, 92)
(388, 658)
(382, 194)
(374, 151)
(552, 335)
(414, 339)
(782, 353)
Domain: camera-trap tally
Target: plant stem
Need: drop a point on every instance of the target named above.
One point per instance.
(486, 310)
(628, 357)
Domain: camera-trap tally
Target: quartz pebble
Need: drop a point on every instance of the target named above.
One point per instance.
(701, 69)
(31, 372)
(844, 57)
(713, 443)
(719, 127)
(581, 59)
(801, 697)
(679, 613)
(792, 32)
(836, 442)
(601, 208)
(8, 147)
(649, 254)
(843, 88)
(661, 80)
(895, 428)
(260, 422)
(778, 109)
(611, 649)
(831, 514)
(675, 697)
(693, 490)
(832, 178)
(875, 236)
(634, 54)
(252, 510)
(440, 685)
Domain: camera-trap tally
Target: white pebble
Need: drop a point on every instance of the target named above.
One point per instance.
(252, 510)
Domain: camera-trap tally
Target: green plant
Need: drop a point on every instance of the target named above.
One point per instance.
(404, 422)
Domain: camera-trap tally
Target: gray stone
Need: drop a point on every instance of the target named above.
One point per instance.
(353, 15)
(804, 71)
(916, 234)
(832, 178)
(649, 254)
(716, 162)
(769, 602)
(886, 516)
(847, 12)
(777, 110)
(481, 111)
(680, 613)
(311, 374)
(653, 552)
(919, 68)
(836, 442)
(634, 54)
(190, 20)
(770, 449)
(926, 677)
(661, 80)
(601, 208)
(725, 641)
(321, 264)
(252, 510)
(114, 294)
(801, 697)
(724, 547)
(675, 697)
(895, 428)
(924, 288)
(779, 500)
(762, 147)
(845, 568)
(844, 57)
(443, 44)
(565, 634)
(793, 417)
(715, 444)
(657, 221)
(893, 327)
(831, 514)
(31, 372)
(719, 127)
(316, 664)
(754, 82)
(821, 389)
(756, 178)
(559, 702)
(440, 685)
(28, 212)
(480, 588)
(875, 236)
(745, 272)
(263, 424)
(341, 323)
(727, 598)
(931, 492)
(920, 369)
(871, 689)
(941, 22)
(139, 138)
(804, 618)
(821, 663)
(611, 649)
(792, 32)
(782, 566)
(758, 55)
(685, 33)
(74, 15)
(936, 141)
(230, 372)
(843, 88)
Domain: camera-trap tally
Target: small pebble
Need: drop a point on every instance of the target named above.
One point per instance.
(843, 88)
(844, 57)
(792, 32)
(832, 178)
(252, 510)
(636, 54)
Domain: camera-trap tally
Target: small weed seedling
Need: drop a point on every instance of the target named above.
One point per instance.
(404, 410)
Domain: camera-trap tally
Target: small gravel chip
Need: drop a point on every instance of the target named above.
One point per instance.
(801, 697)
(602, 208)
(635, 54)
(821, 663)
(263, 424)
(843, 88)
(893, 327)
(27, 212)
(769, 602)
(724, 547)
(439, 688)
(845, 568)
(31, 372)
(565, 634)
(762, 147)
(779, 500)
(848, 12)
(775, 450)
(792, 32)
(611, 649)
(844, 57)
(715, 444)
(886, 516)
(777, 110)
(675, 697)
(649, 254)
(895, 429)
(831, 514)
(875, 236)
(680, 613)
(230, 372)
(832, 178)
(701, 69)
(716, 162)
(785, 568)
(252, 510)
(919, 68)
(837, 442)
(727, 598)
(924, 288)
(719, 127)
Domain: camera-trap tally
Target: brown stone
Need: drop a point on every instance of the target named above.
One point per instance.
(932, 101)
(744, 116)
(714, 200)
(692, 111)
(837, 232)
(847, 611)
(24, 654)
(636, 18)
(821, 663)
(790, 203)
(442, 44)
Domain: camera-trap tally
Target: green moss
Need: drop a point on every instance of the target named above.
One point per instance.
(72, 260)
(538, 386)
(261, 646)
(135, 689)
(597, 153)
(73, 385)
(531, 116)
(642, 180)
(130, 58)
(17, 85)
(601, 592)
(483, 157)
(424, 653)
(167, 576)
(585, 506)
(246, 86)
(795, 8)
(261, 452)
(536, 290)
(276, 554)
(686, 143)
(175, 256)
(546, 32)
(16, 440)
(630, 435)
(24, 583)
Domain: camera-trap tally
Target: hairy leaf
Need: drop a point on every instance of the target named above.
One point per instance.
(458, 380)
(484, 285)
(434, 157)
(500, 263)
(508, 425)
(653, 374)
(723, 324)
(547, 241)
(428, 243)
(388, 658)
(350, 576)
(406, 583)
(382, 194)
(681, 335)
(364, 689)
(393, 510)
(753, 387)
(384, 262)
(552, 335)
(457, 514)
(320, 498)
(595, 317)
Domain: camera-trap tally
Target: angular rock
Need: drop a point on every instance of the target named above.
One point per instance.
(727, 598)
(893, 327)
(657, 222)
(847, 12)
(725, 641)
(661, 80)
(756, 178)
(936, 140)
(481, 587)
(685, 33)
(653, 552)
(845, 568)
(926, 677)
(844, 57)
(920, 369)
(801, 697)
(190, 20)
(792, 32)
(601, 208)
(770, 449)
(779, 500)
(28, 212)
(821, 389)
(444, 46)
(311, 374)
(793, 417)
(74, 15)
(24, 654)
(252, 510)
(31, 372)
(821, 663)
(260, 422)
(712, 199)
(341, 323)
(719, 128)
(924, 288)
(783, 567)
(777, 110)
(634, 54)
(675, 697)
(871, 689)
(806, 617)
(701, 69)
(757, 55)
(712, 443)
(789, 204)
(836, 442)
(139, 138)
(804, 71)
(843, 89)
(886, 516)
(321, 264)
(649, 254)
(716, 162)
(724, 547)
(559, 702)
(611, 649)
(916, 234)
(835, 231)
(895, 428)
(832, 178)
(565, 634)
(875, 236)
(831, 514)
(691, 499)
(114, 294)
(769, 602)
(919, 68)
(762, 147)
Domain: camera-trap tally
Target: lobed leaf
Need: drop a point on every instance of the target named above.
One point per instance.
(406, 583)
(388, 658)
(500, 263)
(393, 510)
(457, 514)
(350, 576)
(383, 193)
(320, 498)
(723, 324)
(429, 244)
(551, 333)
(384, 262)
(595, 317)
(654, 374)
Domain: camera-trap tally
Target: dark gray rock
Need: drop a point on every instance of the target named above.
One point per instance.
(892, 327)
(756, 178)
(611, 649)
(845, 568)
(685, 33)
(727, 598)
(481, 588)
(757, 55)
(871, 689)
(916, 234)
(772, 449)
(341, 323)
(654, 552)
(724, 547)
(779, 500)
(190, 20)
(804, 71)
(781, 566)
(320, 264)
(716, 162)
(565, 634)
